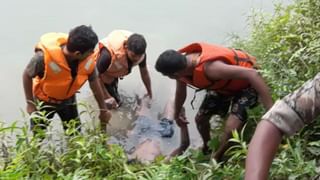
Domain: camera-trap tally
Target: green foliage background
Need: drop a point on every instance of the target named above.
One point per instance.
(287, 47)
(286, 44)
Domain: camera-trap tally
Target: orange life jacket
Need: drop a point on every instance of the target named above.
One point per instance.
(209, 52)
(114, 42)
(57, 83)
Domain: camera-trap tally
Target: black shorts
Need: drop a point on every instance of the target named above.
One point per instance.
(218, 104)
(67, 110)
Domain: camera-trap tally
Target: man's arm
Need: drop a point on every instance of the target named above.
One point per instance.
(103, 62)
(96, 88)
(144, 73)
(180, 97)
(27, 85)
(33, 69)
(218, 70)
(179, 114)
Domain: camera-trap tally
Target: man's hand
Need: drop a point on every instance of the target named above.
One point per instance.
(111, 103)
(149, 95)
(31, 108)
(185, 140)
(177, 152)
(148, 101)
(182, 119)
(104, 117)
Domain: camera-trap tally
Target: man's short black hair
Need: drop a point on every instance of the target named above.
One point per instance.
(137, 44)
(170, 62)
(82, 38)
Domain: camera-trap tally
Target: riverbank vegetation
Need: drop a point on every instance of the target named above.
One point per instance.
(287, 47)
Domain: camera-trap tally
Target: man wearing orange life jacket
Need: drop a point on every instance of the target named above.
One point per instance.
(118, 53)
(61, 64)
(230, 79)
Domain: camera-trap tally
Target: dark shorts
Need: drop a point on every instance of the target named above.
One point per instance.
(67, 111)
(218, 104)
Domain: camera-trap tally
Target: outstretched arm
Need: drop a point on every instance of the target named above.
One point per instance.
(168, 111)
(33, 69)
(181, 120)
(103, 62)
(144, 73)
(27, 85)
(180, 97)
(218, 70)
(105, 114)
